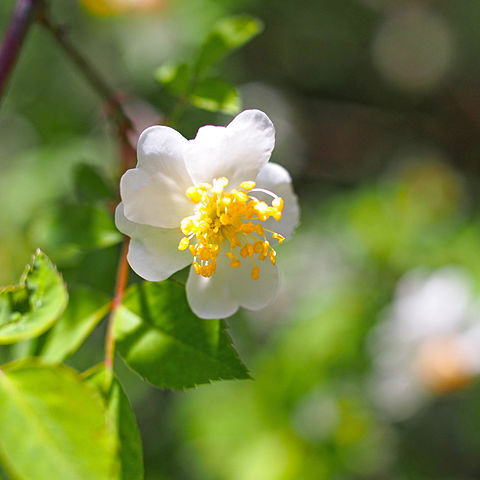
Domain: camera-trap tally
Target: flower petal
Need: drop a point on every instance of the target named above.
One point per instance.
(254, 294)
(237, 151)
(153, 252)
(211, 297)
(154, 192)
(275, 178)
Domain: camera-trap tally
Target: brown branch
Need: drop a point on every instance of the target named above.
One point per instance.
(121, 119)
(127, 151)
(22, 18)
(121, 284)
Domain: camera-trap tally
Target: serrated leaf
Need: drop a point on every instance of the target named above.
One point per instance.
(70, 229)
(32, 307)
(53, 425)
(228, 35)
(85, 309)
(176, 77)
(122, 418)
(90, 185)
(216, 95)
(163, 341)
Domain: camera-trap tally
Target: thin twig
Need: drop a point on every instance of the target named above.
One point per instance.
(120, 285)
(127, 151)
(122, 121)
(22, 18)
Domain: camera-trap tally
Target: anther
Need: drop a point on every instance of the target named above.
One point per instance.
(183, 244)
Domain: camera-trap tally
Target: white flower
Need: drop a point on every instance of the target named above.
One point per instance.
(214, 202)
(428, 342)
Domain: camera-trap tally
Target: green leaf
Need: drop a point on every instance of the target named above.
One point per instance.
(228, 35)
(163, 341)
(90, 185)
(67, 230)
(32, 307)
(85, 310)
(176, 77)
(216, 95)
(122, 418)
(53, 425)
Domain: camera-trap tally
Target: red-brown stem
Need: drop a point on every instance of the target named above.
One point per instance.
(123, 126)
(22, 18)
(120, 285)
(12, 43)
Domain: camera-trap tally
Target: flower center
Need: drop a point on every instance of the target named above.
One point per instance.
(232, 217)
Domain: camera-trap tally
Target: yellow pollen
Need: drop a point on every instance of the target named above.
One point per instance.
(183, 244)
(227, 219)
(278, 203)
(194, 194)
(272, 256)
(248, 185)
(258, 246)
(278, 237)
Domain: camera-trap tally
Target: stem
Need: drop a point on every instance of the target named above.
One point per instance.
(17, 30)
(122, 121)
(120, 285)
(127, 151)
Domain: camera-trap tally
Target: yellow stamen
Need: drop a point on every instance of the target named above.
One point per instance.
(248, 185)
(232, 216)
(278, 203)
(183, 244)
(278, 237)
(272, 256)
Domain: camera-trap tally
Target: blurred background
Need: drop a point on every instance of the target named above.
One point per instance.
(366, 365)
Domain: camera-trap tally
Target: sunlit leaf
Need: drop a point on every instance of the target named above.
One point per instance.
(90, 184)
(85, 309)
(123, 420)
(53, 425)
(216, 95)
(176, 77)
(162, 340)
(228, 35)
(30, 308)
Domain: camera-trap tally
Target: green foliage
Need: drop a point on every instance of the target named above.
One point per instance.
(124, 423)
(90, 185)
(54, 425)
(228, 35)
(31, 307)
(176, 77)
(163, 341)
(85, 309)
(68, 230)
(216, 96)
(189, 81)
